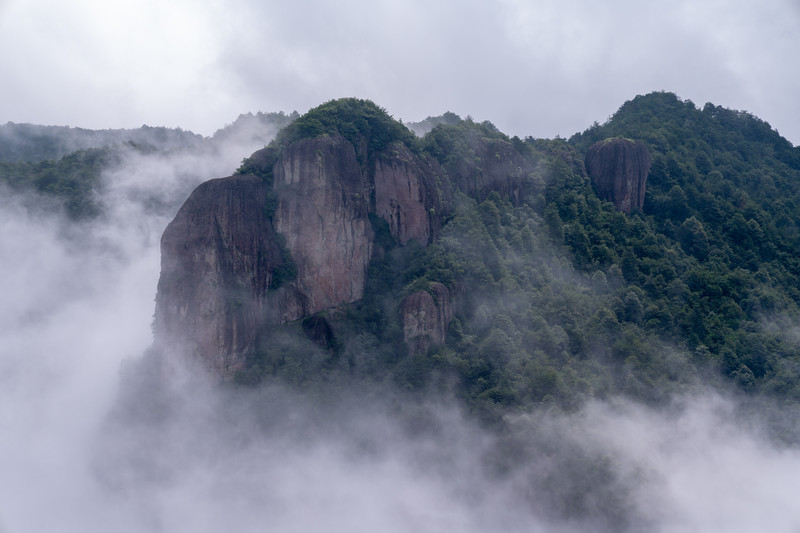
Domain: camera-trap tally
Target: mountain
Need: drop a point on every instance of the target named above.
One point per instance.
(459, 328)
(518, 271)
(349, 248)
(66, 165)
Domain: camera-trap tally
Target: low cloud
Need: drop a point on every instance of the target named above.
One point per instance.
(87, 447)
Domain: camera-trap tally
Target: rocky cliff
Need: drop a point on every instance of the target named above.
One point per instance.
(248, 251)
(406, 194)
(218, 257)
(322, 212)
(618, 168)
(494, 165)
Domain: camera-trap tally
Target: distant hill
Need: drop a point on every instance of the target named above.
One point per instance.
(65, 164)
(249, 126)
(424, 126)
(33, 143)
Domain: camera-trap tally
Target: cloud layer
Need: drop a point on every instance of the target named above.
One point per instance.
(81, 453)
(541, 68)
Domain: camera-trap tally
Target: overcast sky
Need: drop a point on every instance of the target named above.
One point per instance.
(532, 67)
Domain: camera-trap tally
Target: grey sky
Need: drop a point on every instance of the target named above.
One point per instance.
(532, 67)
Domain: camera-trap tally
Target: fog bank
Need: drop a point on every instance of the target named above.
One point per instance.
(79, 454)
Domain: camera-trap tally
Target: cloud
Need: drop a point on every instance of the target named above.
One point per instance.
(86, 447)
(79, 300)
(533, 68)
(80, 454)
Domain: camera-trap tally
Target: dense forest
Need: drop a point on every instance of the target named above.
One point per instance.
(559, 297)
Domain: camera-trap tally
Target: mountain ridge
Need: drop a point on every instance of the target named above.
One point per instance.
(657, 295)
(556, 295)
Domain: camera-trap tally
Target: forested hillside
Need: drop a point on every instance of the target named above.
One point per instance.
(66, 165)
(716, 255)
(558, 296)
(456, 319)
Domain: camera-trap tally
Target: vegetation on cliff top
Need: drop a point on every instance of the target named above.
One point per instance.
(358, 121)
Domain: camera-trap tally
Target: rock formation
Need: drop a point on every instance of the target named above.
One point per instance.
(322, 212)
(243, 253)
(426, 317)
(406, 195)
(494, 166)
(618, 168)
(217, 260)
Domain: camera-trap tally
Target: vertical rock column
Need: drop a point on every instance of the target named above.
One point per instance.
(322, 211)
(217, 259)
(618, 168)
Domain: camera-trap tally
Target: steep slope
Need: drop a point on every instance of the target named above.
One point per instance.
(219, 257)
(313, 201)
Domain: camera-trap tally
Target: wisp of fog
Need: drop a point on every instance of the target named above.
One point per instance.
(78, 305)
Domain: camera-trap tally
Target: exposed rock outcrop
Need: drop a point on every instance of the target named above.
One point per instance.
(246, 251)
(406, 194)
(322, 211)
(618, 168)
(426, 317)
(217, 260)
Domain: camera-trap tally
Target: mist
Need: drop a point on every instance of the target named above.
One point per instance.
(86, 445)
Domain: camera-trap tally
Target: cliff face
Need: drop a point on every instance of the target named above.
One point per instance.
(406, 195)
(495, 166)
(236, 237)
(618, 168)
(322, 211)
(217, 260)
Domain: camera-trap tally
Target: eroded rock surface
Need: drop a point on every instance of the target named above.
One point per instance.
(406, 195)
(618, 168)
(495, 166)
(249, 251)
(322, 211)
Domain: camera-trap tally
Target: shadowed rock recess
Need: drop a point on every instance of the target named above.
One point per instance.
(618, 167)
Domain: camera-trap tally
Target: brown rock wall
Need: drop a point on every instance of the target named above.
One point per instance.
(217, 259)
(618, 168)
(322, 212)
(234, 235)
(406, 196)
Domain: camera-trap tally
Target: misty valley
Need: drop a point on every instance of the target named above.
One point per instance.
(339, 321)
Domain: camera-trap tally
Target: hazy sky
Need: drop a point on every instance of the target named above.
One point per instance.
(532, 67)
